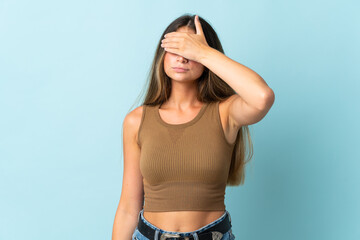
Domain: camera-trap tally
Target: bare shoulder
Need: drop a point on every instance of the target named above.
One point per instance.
(224, 104)
(132, 121)
(224, 107)
(229, 128)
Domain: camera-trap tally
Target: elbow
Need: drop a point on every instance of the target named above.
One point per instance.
(268, 98)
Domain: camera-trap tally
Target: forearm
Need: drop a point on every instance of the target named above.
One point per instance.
(124, 225)
(250, 86)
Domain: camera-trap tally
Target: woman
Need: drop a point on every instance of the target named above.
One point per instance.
(186, 142)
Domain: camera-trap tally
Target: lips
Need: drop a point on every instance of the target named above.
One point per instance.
(180, 68)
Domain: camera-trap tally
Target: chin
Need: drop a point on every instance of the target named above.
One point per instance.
(182, 79)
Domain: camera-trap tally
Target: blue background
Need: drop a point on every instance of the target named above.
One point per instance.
(71, 70)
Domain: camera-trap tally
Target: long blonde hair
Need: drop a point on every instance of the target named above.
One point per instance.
(210, 88)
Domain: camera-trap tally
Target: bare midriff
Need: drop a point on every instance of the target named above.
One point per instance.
(182, 221)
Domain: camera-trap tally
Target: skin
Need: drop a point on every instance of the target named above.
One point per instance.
(253, 100)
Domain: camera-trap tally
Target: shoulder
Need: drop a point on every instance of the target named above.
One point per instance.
(229, 128)
(228, 100)
(224, 106)
(132, 120)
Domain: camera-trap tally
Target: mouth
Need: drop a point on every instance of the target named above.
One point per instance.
(179, 69)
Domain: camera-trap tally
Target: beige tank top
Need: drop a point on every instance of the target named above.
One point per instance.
(184, 166)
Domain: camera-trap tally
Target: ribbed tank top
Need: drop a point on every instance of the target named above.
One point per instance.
(184, 166)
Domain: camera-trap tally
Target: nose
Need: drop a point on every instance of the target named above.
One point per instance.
(182, 59)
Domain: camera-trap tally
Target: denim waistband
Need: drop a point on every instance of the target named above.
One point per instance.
(195, 232)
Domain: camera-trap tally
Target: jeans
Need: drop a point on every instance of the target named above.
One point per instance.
(138, 236)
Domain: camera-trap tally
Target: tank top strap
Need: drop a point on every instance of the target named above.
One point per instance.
(210, 113)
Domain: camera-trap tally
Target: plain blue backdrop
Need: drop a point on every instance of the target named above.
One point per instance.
(71, 70)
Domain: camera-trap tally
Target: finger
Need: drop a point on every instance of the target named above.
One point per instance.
(198, 27)
(167, 43)
(171, 39)
(171, 45)
(172, 50)
(173, 34)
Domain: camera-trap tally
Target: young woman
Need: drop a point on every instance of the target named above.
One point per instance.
(187, 141)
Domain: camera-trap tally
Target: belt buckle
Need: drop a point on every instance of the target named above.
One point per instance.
(216, 235)
(165, 235)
